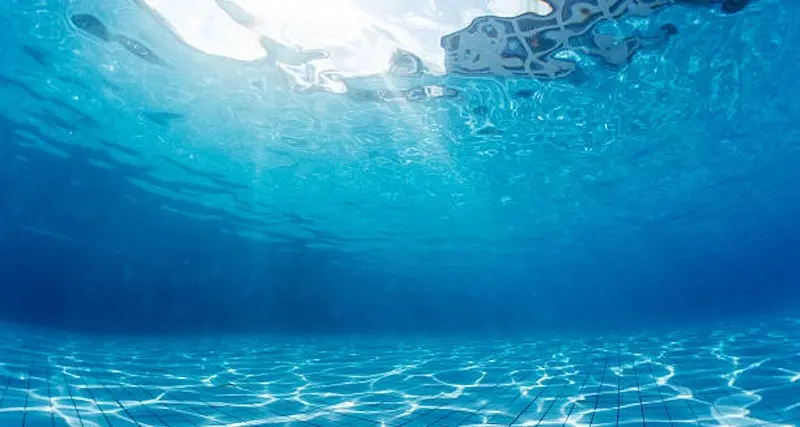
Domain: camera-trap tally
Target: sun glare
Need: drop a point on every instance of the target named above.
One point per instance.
(308, 21)
(356, 41)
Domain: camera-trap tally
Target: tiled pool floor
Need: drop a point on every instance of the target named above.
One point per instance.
(741, 376)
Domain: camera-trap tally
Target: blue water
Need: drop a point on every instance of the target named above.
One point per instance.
(241, 212)
(739, 374)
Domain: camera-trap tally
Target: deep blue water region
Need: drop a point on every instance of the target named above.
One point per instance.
(731, 375)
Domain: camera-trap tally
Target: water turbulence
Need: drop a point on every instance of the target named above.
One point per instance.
(410, 213)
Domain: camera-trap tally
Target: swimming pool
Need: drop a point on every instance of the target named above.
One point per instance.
(504, 212)
(734, 374)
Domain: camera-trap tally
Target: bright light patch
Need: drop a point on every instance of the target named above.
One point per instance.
(344, 36)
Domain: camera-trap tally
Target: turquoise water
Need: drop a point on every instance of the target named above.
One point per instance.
(728, 375)
(346, 212)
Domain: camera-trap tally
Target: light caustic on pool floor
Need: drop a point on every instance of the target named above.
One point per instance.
(743, 376)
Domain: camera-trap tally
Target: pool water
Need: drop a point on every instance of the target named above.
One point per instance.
(399, 213)
(730, 375)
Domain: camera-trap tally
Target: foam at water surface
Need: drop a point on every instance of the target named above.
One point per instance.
(738, 375)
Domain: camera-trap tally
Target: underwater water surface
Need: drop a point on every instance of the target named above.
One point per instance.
(350, 212)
